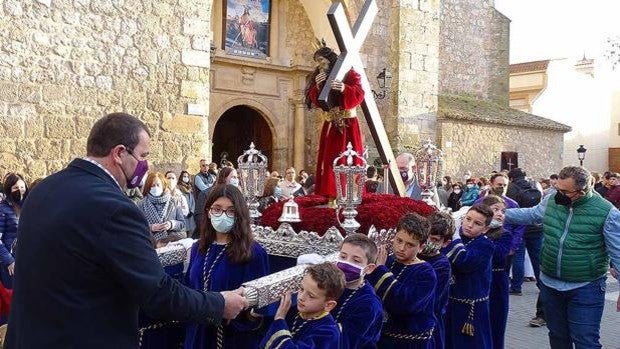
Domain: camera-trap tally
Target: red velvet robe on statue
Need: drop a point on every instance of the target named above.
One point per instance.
(334, 141)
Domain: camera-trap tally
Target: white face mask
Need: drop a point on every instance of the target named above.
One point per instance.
(156, 191)
(495, 223)
(470, 186)
(185, 179)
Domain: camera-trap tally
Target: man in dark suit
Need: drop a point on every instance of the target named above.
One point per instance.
(86, 261)
(406, 167)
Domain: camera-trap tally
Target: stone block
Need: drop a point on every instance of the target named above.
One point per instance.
(134, 100)
(8, 92)
(181, 123)
(193, 73)
(201, 43)
(103, 82)
(54, 166)
(36, 169)
(195, 26)
(49, 149)
(55, 93)
(83, 126)
(27, 146)
(34, 128)
(196, 58)
(10, 162)
(21, 110)
(172, 152)
(192, 89)
(8, 145)
(109, 99)
(157, 102)
(82, 96)
(77, 147)
(60, 127)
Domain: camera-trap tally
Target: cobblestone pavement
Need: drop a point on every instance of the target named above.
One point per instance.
(522, 308)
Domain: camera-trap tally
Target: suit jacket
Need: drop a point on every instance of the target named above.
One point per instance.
(86, 265)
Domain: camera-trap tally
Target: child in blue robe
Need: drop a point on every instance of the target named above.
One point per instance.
(467, 321)
(406, 285)
(442, 229)
(359, 312)
(224, 257)
(500, 282)
(312, 327)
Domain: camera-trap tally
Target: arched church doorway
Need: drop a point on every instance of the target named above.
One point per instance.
(236, 129)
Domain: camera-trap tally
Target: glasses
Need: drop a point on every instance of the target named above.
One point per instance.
(567, 192)
(216, 211)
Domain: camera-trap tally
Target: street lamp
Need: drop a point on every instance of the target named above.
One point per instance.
(581, 154)
(383, 79)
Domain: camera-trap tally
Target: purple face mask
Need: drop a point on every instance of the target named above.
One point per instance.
(351, 272)
(404, 175)
(138, 173)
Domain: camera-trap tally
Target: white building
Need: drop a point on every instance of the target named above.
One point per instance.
(582, 94)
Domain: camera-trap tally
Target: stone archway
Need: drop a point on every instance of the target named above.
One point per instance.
(236, 128)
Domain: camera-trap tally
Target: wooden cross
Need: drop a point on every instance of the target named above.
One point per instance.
(509, 163)
(349, 42)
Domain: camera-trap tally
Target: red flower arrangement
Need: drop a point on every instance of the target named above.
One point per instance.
(381, 210)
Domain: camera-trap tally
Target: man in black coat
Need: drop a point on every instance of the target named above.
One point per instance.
(86, 261)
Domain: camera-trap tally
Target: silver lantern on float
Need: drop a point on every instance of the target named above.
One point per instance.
(429, 168)
(252, 165)
(350, 171)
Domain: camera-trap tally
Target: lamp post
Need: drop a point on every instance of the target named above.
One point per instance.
(350, 172)
(252, 166)
(429, 167)
(383, 79)
(581, 154)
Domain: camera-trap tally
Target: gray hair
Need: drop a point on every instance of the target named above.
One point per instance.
(410, 158)
(580, 175)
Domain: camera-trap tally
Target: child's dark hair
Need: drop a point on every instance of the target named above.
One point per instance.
(442, 225)
(490, 200)
(484, 210)
(240, 248)
(328, 278)
(415, 225)
(361, 240)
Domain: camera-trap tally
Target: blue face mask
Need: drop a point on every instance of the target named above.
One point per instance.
(234, 181)
(277, 192)
(222, 224)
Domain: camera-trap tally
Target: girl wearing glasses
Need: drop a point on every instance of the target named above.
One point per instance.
(224, 257)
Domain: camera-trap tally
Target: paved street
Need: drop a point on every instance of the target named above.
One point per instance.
(519, 335)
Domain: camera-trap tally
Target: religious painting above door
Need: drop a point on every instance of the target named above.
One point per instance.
(246, 27)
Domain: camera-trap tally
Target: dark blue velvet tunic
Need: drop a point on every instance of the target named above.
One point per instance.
(408, 295)
(470, 286)
(224, 275)
(359, 314)
(441, 265)
(321, 333)
(500, 284)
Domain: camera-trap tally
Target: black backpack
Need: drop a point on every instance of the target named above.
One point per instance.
(530, 196)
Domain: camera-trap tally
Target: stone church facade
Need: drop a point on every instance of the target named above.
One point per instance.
(64, 63)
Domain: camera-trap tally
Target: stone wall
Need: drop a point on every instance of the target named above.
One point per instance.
(474, 50)
(415, 42)
(63, 64)
(475, 147)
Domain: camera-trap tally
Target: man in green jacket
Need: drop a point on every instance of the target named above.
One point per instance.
(581, 232)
